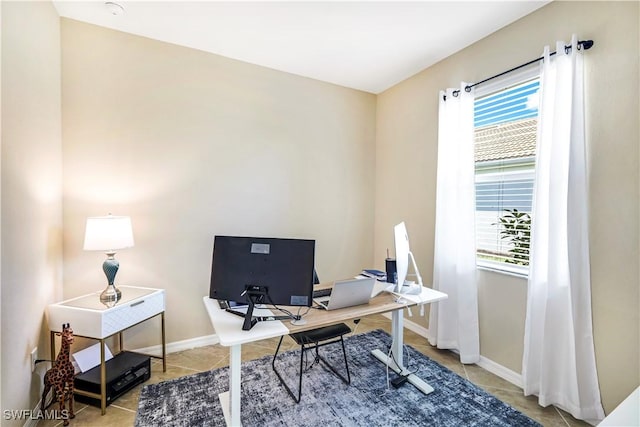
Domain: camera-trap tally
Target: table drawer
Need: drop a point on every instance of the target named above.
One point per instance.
(134, 312)
(90, 318)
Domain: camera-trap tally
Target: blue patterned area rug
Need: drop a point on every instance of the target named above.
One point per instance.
(326, 400)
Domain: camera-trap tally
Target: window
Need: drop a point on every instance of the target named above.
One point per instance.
(505, 146)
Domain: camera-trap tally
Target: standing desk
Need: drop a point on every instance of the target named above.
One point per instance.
(228, 328)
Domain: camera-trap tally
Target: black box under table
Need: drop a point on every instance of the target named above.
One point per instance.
(124, 371)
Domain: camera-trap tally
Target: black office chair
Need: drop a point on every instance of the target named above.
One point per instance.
(313, 340)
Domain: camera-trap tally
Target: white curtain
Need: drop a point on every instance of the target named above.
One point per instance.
(453, 323)
(559, 359)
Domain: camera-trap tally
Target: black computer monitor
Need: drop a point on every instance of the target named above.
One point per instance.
(260, 270)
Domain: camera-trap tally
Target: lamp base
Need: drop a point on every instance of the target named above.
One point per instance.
(111, 294)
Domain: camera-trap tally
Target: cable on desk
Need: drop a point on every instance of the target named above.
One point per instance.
(305, 313)
(285, 311)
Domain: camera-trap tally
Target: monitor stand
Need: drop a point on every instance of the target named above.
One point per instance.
(257, 295)
(410, 289)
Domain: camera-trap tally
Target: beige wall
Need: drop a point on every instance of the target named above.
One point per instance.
(31, 187)
(406, 171)
(191, 145)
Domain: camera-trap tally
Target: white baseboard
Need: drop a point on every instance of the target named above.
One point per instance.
(33, 422)
(176, 346)
(196, 342)
(487, 364)
(203, 341)
(35, 417)
(412, 326)
(188, 344)
(500, 371)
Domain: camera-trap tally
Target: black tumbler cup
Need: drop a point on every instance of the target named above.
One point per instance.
(390, 267)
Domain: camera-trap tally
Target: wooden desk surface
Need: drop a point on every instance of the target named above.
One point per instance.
(228, 326)
(317, 317)
(383, 303)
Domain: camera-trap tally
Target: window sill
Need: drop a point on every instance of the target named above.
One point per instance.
(514, 271)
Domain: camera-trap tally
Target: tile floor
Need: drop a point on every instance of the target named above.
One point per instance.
(122, 412)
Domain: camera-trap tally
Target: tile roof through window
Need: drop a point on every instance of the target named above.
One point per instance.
(509, 140)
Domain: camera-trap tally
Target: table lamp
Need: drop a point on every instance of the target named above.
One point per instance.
(108, 233)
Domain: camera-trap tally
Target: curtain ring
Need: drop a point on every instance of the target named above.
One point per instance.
(467, 88)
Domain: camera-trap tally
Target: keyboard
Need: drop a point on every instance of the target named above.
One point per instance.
(319, 293)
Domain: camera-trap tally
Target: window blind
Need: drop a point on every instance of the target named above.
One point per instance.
(505, 136)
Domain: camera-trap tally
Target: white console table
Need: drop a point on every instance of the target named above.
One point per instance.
(89, 318)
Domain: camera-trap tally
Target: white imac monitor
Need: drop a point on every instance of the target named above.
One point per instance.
(403, 253)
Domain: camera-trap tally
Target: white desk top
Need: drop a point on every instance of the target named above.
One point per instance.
(426, 296)
(229, 326)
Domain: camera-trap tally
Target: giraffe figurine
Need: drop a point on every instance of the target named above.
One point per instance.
(60, 376)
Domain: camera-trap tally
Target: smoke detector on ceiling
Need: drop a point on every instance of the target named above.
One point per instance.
(114, 8)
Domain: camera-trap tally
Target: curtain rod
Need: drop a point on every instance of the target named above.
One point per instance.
(582, 44)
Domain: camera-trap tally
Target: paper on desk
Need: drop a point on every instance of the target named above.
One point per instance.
(90, 357)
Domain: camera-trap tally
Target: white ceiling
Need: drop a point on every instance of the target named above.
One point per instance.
(365, 45)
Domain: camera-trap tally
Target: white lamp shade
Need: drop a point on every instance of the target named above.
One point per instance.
(104, 233)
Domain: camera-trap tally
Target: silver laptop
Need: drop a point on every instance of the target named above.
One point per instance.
(347, 293)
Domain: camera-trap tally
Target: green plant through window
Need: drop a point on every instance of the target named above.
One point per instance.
(515, 226)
